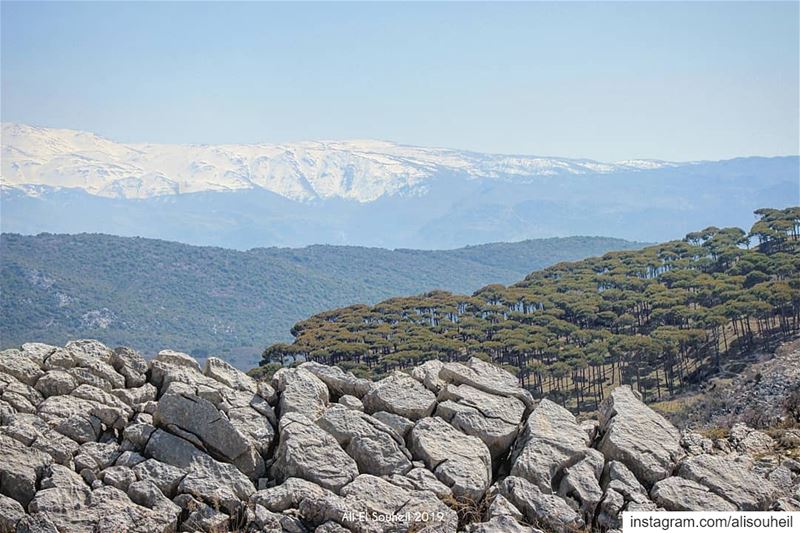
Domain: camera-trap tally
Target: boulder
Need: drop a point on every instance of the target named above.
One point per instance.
(88, 350)
(500, 506)
(170, 368)
(77, 418)
(402, 395)
(255, 426)
(639, 437)
(400, 424)
(548, 510)
(376, 448)
(300, 392)
(178, 359)
(199, 418)
(679, 494)
(351, 402)
(550, 441)
(228, 375)
(55, 383)
(95, 371)
(493, 419)
(417, 509)
(58, 359)
(338, 381)
(591, 427)
(17, 364)
(137, 396)
(97, 455)
(37, 351)
(372, 505)
(308, 452)
(32, 431)
(609, 516)
(120, 477)
(206, 479)
(732, 480)
(428, 374)
(164, 476)
(146, 494)
(618, 477)
(331, 527)
(421, 479)
(216, 483)
(461, 462)
(130, 365)
(21, 469)
(207, 519)
(580, 484)
(11, 512)
(67, 503)
(695, 443)
(129, 459)
(750, 441)
(486, 377)
(112, 411)
(783, 478)
(288, 494)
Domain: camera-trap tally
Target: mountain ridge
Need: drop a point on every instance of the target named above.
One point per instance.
(362, 170)
(437, 199)
(210, 300)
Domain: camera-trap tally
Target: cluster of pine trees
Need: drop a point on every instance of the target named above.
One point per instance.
(655, 318)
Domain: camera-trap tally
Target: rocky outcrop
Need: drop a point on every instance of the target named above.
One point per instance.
(461, 462)
(493, 419)
(96, 439)
(638, 437)
(553, 454)
(733, 480)
(300, 392)
(308, 452)
(680, 494)
(486, 377)
(551, 511)
(339, 382)
(402, 395)
(375, 447)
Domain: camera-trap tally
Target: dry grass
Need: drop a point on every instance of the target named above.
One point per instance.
(716, 433)
(468, 510)
(675, 406)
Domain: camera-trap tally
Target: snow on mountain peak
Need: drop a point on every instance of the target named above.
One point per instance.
(361, 170)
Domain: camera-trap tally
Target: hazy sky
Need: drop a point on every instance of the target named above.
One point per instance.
(608, 81)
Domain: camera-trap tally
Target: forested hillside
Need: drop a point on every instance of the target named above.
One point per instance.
(150, 294)
(654, 317)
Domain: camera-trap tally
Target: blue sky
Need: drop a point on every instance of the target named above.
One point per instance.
(608, 81)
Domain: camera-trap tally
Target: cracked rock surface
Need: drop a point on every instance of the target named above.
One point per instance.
(100, 439)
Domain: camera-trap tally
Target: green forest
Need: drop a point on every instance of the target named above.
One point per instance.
(656, 318)
(151, 294)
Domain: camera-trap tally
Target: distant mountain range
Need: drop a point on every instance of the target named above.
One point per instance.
(354, 170)
(371, 193)
(150, 294)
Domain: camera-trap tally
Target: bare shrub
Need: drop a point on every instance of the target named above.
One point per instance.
(468, 510)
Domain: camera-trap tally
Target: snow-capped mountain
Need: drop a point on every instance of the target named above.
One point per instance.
(369, 193)
(357, 170)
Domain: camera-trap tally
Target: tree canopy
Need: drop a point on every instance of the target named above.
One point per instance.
(655, 317)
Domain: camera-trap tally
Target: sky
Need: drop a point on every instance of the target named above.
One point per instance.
(608, 81)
